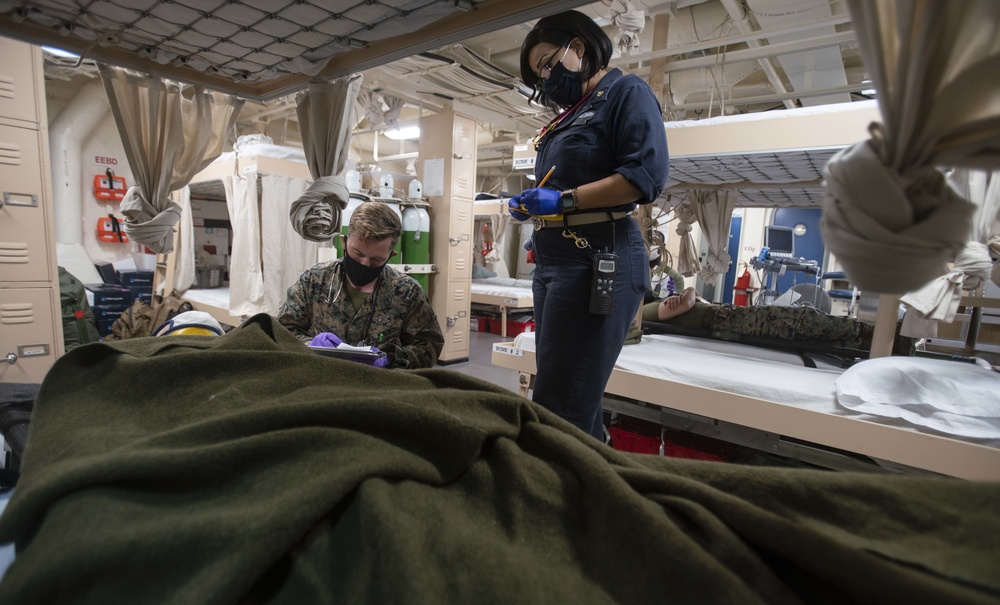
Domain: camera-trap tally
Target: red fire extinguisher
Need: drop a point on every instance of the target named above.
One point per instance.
(742, 290)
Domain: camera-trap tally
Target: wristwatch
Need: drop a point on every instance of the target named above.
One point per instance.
(568, 200)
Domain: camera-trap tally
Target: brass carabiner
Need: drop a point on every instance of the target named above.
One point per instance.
(581, 242)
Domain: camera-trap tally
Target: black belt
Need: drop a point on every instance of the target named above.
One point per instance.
(575, 220)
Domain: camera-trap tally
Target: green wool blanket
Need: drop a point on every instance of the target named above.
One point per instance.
(247, 469)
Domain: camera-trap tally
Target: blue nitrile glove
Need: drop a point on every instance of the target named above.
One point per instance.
(513, 206)
(541, 201)
(326, 339)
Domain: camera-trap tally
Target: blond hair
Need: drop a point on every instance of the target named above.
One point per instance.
(375, 221)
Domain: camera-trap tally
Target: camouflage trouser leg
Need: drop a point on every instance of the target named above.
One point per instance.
(786, 323)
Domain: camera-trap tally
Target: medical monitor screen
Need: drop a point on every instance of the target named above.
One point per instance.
(779, 240)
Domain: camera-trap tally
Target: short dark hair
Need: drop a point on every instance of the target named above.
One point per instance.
(559, 30)
(375, 221)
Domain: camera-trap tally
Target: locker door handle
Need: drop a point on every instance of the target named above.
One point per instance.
(11, 358)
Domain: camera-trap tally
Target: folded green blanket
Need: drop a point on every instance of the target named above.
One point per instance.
(247, 469)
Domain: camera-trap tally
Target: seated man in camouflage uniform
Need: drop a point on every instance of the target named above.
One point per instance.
(803, 324)
(360, 300)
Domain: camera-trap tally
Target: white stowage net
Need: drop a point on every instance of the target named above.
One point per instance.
(888, 215)
(168, 137)
(325, 121)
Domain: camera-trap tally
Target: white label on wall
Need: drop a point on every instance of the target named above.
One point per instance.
(434, 177)
(498, 348)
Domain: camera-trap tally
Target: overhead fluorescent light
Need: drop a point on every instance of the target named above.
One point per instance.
(60, 52)
(405, 133)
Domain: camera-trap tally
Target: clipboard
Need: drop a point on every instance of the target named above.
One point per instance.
(369, 357)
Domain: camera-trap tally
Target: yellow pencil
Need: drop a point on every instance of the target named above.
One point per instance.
(548, 217)
(546, 177)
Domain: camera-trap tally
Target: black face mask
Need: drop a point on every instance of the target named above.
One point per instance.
(360, 275)
(563, 87)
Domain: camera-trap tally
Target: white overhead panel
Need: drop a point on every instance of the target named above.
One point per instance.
(821, 68)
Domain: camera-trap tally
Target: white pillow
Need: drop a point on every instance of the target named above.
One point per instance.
(948, 396)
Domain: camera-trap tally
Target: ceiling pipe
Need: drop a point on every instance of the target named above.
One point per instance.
(742, 21)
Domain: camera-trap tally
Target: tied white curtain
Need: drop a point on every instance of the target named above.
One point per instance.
(168, 137)
(888, 214)
(714, 212)
(369, 106)
(687, 254)
(325, 121)
(498, 223)
(628, 23)
(391, 115)
(939, 299)
(185, 266)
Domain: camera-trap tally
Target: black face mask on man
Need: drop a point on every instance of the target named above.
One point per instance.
(360, 275)
(563, 87)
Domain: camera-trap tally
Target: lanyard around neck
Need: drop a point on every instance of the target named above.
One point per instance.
(559, 118)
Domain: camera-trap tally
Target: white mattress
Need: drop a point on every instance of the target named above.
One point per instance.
(750, 371)
(508, 287)
(216, 297)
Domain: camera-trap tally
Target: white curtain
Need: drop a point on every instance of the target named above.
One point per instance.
(168, 136)
(888, 214)
(185, 264)
(246, 277)
(391, 115)
(687, 254)
(714, 211)
(285, 255)
(939, 299)
(325, 121)
(629, 24)
(498, 224)
(369, 106)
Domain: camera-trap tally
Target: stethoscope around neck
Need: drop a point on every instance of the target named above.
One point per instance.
(330, 298)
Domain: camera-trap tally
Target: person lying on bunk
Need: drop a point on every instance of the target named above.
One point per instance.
(803, 324)
(361, 301)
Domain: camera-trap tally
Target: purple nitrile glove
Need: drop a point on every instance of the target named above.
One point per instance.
(382, 361)
(326, 339)
(513, 206)
(541, 201)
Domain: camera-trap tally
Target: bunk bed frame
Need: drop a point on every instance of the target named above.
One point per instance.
(227, 165)
(717, 153)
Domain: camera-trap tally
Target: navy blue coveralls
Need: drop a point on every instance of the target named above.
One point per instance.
(619, 128)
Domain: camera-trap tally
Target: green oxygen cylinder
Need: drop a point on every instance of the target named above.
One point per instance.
(416, 240)
(394, 204)
(353, 202)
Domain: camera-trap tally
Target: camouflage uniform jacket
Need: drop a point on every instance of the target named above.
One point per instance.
(403, 324)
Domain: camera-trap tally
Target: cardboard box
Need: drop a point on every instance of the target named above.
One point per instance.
(136, 277)
(107, 272)
(515, 324)
(111, 312)
(104, 326)
(109, 294)
(208, 277)
(478, 324)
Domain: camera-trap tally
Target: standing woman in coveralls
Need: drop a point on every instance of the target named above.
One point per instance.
(608, 148)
